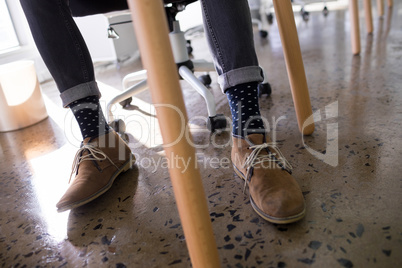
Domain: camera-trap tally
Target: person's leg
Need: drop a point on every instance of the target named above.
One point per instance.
(66, 55)
(274, 193)
(62, 48)
(229, 34)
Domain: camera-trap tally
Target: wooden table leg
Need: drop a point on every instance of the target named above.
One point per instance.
(354, 26)
(380, 7)
(152, 35)
(368, 15)
(294, 63)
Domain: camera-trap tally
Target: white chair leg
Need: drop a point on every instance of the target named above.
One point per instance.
(125, 95)
(200, 88)
(258, 23)
(263, 33)
(137, 76)
(265, 76)
(264, 88)
(177, 40)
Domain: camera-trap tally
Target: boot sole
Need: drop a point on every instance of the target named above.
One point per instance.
(286, 220)
(126, 166)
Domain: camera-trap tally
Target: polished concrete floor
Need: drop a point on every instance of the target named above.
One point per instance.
(349, 169)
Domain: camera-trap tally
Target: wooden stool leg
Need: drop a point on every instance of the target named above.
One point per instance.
(294, 63)
(380, 7)
(369, 16)
(152, 35)
(354, 25)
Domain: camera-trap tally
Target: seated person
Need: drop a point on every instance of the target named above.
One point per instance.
(274, 193)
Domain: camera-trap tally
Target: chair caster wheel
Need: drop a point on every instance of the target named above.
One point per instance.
(263, 34)
(305, 14)
(205, 80)
(189, 47)
(217, 122)
(118, 125)
(264, 89)
(270, 18)
(126, 102)
(325, 11)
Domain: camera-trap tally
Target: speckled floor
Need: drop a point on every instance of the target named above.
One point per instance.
(354, 201)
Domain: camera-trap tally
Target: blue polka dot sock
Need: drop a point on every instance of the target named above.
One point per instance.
(243, 102)
(90, 118)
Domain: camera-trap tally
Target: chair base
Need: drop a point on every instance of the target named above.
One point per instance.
(180, 53)
(186, 69)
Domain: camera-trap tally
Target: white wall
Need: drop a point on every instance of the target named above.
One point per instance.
(27, 49)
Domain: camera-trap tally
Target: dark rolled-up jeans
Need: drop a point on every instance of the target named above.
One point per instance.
(227, 25)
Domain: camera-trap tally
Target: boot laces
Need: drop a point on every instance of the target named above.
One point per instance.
(274, 155)
(95, 154)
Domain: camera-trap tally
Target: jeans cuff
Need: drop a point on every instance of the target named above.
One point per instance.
(79, 92)
(240, 76)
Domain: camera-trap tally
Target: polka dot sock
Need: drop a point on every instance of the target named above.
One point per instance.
(246, 117)
(90, 118)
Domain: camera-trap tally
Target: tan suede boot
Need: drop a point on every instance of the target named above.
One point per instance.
(97, 164)
(274, 193)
